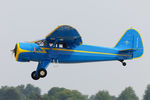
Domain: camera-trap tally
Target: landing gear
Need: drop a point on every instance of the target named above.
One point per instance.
(123, 63)
(41, 73)
(34, 76)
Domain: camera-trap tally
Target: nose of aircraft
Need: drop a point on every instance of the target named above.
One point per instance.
(15, 50)
(22, 51)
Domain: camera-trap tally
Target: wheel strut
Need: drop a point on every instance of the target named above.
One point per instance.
(123, 63)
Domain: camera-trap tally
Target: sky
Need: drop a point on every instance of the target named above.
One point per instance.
(100, 23)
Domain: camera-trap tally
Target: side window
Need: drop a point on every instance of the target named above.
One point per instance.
(64, 45)
(50, 44)
(60, 45)
(56, 45)
(41, 43)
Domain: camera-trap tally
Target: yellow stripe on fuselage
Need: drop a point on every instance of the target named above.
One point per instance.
(88, 52)
(19, 50)
(43, 50)
(70, 50)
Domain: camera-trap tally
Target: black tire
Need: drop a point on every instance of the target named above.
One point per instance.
(34, 76)
(124, 63)
(42, 73)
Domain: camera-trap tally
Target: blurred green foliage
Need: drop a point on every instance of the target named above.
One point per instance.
(30, 92)
(128, 94)
(147, 93)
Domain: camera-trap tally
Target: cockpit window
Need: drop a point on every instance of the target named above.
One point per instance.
(58, 45)
(40, 43)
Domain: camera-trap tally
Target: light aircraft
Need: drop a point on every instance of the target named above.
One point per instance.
(64, 45)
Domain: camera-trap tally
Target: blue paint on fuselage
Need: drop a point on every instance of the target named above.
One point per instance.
(82, 53)
(28, 46)
(91, 55)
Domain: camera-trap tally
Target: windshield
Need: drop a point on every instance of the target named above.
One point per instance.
(40, 42)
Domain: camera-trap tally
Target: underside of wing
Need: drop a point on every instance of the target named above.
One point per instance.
(65, 34)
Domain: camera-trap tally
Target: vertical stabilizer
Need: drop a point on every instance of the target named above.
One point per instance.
(131, 40)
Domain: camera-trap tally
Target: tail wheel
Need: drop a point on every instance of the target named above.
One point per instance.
(34, 76)
(42, 73)
(124, 63)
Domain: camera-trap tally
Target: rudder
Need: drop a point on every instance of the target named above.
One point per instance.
(131, 40)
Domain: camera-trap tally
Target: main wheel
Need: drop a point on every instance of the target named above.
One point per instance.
(124, 63)
(42, 73)
(33, 75)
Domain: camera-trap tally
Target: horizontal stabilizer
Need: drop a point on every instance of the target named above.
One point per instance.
(127, 50)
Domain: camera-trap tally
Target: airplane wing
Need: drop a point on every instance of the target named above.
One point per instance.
(64, 34)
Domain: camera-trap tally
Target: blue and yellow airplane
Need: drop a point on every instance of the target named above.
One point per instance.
(64, 45)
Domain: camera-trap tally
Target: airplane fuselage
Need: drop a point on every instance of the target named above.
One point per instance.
(83, 53)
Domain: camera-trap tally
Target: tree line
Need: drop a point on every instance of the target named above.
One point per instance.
(30, 92)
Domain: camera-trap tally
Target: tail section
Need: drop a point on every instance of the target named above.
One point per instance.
(131, 42)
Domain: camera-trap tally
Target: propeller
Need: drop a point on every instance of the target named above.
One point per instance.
(14, 50)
